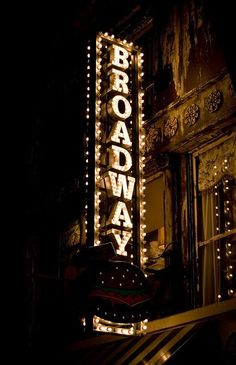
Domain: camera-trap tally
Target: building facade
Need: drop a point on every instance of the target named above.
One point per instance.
(190, 172)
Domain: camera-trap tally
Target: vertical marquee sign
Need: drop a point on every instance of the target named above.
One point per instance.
(119, 204)
(117, 137)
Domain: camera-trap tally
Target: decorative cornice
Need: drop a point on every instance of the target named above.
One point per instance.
(170, 127)
(153, 137)
(191, 114)
(191, 94)
(204, 113)
(213, 101)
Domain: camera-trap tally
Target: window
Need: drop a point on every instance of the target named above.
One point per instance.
(215, 187)
(155, 221)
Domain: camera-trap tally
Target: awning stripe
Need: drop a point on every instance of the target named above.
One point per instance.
(162, 355)
(112, 355)
(152, 349)
(163, 343)
(138, 343)
(185, 338)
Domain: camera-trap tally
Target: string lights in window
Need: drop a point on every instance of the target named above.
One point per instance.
(229, 272)
(223, 214)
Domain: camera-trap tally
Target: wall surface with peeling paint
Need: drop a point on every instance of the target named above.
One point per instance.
(187, 48)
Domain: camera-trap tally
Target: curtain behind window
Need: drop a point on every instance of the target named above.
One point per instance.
(209, 254)
(216, 214)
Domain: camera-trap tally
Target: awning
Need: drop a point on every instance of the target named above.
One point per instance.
(151, 349)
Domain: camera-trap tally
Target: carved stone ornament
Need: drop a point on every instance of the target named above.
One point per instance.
(213, 101)
(191, 114)
(152, 138)
(170, 127)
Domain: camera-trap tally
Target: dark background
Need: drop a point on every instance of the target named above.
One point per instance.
(43, 114)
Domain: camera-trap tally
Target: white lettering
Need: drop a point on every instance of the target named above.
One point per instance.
(119, 134)
(118, 81)
(118, 56)
(120, 214)
(115, 158)
(115, 185)
(115, 109)
(122, 238)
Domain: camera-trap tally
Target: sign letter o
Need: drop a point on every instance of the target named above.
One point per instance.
(119, 107)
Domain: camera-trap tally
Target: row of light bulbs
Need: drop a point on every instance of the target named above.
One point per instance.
(228, 249)
(99, 324)
(130, 329)
(98, 133)
(87, 139)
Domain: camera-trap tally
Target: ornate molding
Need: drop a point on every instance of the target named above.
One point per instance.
(152, 138)
(170, 127)
(190, 95)
(213, 101)
(191, 114)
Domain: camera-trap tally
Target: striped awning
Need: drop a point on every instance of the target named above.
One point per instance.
(151, 349)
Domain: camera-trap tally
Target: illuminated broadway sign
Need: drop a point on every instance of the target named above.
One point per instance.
(119, 204)
(114, 183)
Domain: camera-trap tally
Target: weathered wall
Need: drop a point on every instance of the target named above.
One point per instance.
(188, 52)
